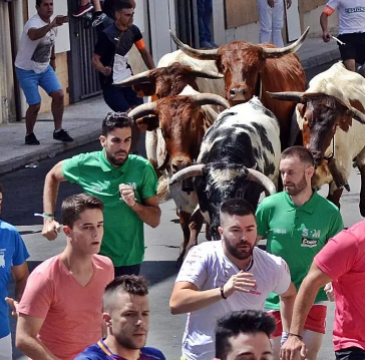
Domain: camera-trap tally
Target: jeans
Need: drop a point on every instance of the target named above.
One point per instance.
(205, 11)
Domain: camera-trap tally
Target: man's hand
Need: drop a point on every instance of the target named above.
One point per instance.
(107, 71)
(51, 228)
(288, 3)
(326, 36)
(291, 348)
(271, 3)
(13, 305)
(330, 292)
(59, 20)
(127, 194)
(239, 282)
(53, 64)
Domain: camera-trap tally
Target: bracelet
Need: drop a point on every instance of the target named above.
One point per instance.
(45, 215)
(222, 293)
(296, 335)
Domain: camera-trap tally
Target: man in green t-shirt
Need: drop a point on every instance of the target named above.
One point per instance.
(297, 224)
(127, 185)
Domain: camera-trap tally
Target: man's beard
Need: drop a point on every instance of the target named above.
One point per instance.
(111, 158)
(236, 253)
(296, 189)
(128, 343)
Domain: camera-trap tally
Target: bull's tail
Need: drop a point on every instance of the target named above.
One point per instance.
(163, 188)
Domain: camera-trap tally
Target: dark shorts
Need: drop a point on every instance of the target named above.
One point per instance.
(354, 47)
(121, 98)
(352, 353)
(127, 270)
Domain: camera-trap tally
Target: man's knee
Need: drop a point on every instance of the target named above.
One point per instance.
(34, 109)
(57, 96)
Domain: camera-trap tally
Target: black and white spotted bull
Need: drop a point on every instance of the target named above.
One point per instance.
(239, 158)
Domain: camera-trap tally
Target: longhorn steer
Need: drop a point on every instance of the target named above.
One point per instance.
(253, 69)
(239, 157)
(181, 122)
(330, 115)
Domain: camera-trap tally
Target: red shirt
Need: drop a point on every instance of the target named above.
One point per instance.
(343, 260)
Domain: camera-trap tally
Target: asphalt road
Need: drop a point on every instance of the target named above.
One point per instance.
(23, 197)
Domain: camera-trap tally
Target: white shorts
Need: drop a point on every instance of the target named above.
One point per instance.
(5, 348)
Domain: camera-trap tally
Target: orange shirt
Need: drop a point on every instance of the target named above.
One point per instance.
(72, 313)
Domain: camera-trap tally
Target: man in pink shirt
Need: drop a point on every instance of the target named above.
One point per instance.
(341, 261)
(60, 311)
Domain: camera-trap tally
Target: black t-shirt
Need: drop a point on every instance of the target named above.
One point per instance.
(113, 47)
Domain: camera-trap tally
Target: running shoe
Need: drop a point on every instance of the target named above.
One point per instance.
(98, 20)
(361, 70)
(30, 139)
(83, 9)
(62, 135)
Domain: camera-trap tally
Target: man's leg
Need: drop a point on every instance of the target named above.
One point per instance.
(203, 36)
(352, 353)
(348, 51)
(350, 64)
(57, 108)
(207, 18)
(278, 23)
(127, 270)
(5, 348)
(265, 13)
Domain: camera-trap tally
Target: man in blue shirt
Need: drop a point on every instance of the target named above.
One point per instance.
(13, 254)
(126, 316)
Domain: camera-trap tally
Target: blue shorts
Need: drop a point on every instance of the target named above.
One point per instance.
(29, 82)
(120, 98)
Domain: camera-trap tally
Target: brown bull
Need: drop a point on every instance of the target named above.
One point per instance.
(254, 69)
(181, 122)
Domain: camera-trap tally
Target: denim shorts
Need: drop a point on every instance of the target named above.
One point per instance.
(30, 80)
(120, 98)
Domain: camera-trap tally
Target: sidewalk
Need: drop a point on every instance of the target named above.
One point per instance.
(83, 120)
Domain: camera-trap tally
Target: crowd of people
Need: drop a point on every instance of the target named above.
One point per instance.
(240, 301)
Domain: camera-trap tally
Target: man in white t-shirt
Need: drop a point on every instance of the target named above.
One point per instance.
(228, 275)
(351, 15)
(35, 66)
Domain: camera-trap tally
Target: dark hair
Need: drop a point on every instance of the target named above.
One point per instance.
(74, 205)
(131, 284)
(238, 207)
(115, 120)
(302, 153)
(1, 189)
(38, 2)
(237, 322)
(120, 5)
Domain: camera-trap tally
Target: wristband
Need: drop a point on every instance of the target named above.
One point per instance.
(284, 337)
(222, 293)
(296, 335)
(45, 215)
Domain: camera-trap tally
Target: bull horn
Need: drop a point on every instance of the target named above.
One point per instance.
(263, 180)
(287, 96)
(143, 110)
(136, 79)
(357, 115)
(190, 171)
(207, 74)
(292, 48)
(197, 54)
(210, 99)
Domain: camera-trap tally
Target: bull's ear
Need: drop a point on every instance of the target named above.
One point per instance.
(148, 123)
(145, 89)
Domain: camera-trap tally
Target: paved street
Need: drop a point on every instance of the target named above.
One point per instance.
(23, 197)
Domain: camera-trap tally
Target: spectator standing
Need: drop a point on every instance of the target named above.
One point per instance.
(13, 256)
(351, 15)
(342, 262)
(297, 224)
(271, 13)
(35, 65)
(205, 11)
(127, 185)
(126, 315)
(110, 58)
(60, 311)
(244, 332)
(219, 277)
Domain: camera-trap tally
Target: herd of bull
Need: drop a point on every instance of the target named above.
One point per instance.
(206, 156)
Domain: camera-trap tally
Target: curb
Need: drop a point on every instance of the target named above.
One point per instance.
(41, 154)
(322, 59)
